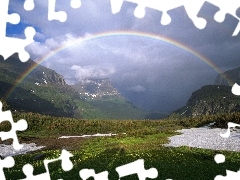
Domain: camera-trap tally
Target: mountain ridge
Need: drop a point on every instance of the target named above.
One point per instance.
(91, 89)
(229, 77)
(213, 99)
(44, 91)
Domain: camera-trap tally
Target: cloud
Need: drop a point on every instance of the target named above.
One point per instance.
(37, 50)
(164, 73)
(40, 49)
(89, 72)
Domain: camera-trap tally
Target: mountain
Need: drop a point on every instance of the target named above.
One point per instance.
(31, 87)
(100, 94)
(42, 90)
(213, 99)
(233, 76)
(210, 99)
(96, 89)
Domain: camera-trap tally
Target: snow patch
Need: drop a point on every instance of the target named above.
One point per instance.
(86, 136)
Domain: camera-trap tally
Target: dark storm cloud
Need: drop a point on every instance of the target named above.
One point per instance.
(150, 73)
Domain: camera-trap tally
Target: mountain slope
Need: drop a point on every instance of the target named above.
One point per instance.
(213, 99)
(45, 91)
(103, 96)
(96, 89)
(210, 99)
(233, 75)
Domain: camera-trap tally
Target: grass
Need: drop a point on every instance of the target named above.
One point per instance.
(108, 153)
(143, 140)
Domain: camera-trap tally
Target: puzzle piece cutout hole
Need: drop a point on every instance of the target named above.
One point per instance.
(28, 171)
(7, 162)
(66, 165)
(20, 125)
(29, 5)
(11, 45)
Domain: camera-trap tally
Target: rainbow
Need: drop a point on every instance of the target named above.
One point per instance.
(118, 34)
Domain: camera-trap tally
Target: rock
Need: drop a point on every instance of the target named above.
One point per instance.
(46, 76)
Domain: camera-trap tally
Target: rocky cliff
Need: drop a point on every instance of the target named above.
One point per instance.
(96, 89)
(31, 87)
(210, 99)
(213, 99)
(47, 76)
(30, 70)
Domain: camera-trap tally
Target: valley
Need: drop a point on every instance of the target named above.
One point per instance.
(30, 87)
(54, 109)
(135, 139)
(35, 88)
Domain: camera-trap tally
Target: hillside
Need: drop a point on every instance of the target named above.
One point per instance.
(210, 99)
(233, 75)
(101, 94)
(213, 99)
(45, 91)
(42, 90)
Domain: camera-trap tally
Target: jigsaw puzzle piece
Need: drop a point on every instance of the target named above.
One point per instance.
(137, 167)
(230, 175)
(29, 5)
(236, 89)
(219, 158)
(11, 45)
(163, 7)
(87, 173)
(7, 162)
(192, 8)
(75, 4)
(60, 15)
(21, 125)
(230, 125)
(53, 15)
(153, 4)
(217, 30)
(140, 11)
(28, 171)
(5, 17)
(66, 166)
(116, 6)
(227, 7)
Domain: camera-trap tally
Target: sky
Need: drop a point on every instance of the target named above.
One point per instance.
(154, 66)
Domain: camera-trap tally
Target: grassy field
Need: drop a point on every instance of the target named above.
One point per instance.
(143, 140)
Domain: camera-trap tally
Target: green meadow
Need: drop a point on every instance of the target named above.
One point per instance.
(135, 139)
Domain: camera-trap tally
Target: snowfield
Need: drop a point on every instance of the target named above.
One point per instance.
(206, 138)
